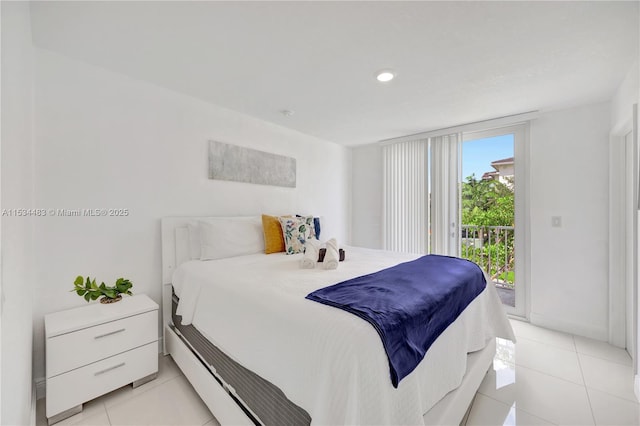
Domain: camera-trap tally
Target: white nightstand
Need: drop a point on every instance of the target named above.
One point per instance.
(97, 348)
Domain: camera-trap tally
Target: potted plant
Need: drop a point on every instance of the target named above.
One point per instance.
(91, 291)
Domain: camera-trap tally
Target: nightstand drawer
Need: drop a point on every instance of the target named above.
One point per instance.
(79, 348)
(83, 384)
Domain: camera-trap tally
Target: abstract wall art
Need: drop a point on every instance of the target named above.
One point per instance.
(240, 164)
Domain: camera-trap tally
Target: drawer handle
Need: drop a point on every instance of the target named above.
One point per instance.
(109, 369)
(109, 333)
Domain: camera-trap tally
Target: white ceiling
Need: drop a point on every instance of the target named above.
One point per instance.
(456, 62)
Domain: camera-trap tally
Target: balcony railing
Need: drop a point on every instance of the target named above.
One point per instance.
(492, 248)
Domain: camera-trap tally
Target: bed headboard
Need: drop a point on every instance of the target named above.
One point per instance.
(175, 243)
(174, 233)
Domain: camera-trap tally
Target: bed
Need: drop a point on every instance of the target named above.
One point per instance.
(258, 352)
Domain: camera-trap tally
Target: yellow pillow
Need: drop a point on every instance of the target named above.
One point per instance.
(273, 237)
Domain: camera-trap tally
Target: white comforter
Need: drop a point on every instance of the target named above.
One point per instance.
(329, 362)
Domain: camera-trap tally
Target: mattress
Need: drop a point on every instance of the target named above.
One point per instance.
(329, 363)
(265, 400)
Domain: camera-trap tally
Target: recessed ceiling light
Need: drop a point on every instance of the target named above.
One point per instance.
(385, 76)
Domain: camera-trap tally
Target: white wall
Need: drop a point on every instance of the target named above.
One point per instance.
(624, 98)
(367, 203)
(628, 93)
(569, 178)
(16, 242)
(104, 140)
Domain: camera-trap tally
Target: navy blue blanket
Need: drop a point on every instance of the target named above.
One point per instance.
(409, 304)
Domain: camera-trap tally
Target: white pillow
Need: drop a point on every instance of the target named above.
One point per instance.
(229, 237)
(194, 240)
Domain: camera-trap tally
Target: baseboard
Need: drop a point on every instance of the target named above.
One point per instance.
(41, 387)
(561, 324)
(32, 420)
(636, 387)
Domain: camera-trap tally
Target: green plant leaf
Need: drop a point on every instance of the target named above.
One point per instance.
(90, 290)
(123, 286)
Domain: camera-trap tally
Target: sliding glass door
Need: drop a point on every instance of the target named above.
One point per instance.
(492, 229)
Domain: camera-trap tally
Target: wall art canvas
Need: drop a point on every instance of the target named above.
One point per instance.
(240, 164)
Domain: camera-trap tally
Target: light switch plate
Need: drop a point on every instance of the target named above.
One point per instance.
(556, 221)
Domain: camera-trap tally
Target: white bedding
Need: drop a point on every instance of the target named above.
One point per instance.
(329, 362)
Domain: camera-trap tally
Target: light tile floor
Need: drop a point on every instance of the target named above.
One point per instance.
(546, 378)
(549, 377)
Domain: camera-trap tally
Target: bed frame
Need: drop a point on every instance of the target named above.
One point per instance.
(221, 399)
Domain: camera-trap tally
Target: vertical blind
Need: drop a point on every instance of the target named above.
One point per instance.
(411, 214)
(445, 208)
(405, 215)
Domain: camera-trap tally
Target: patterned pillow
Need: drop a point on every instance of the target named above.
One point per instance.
(316, 225)
(296, 231)
(311, 224)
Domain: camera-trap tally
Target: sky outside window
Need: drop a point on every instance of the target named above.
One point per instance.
(478, 154)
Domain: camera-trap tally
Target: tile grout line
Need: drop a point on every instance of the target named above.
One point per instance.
(556, 348)
(208, 420)
(596, 355)
(107, 412)
(141, 392)
(575, 348)
(605, 359)
(470, 410)
(540, 342)
(612, 395)
(578, 354)
(606, 392)
(543, 373)
(586, 390)
(520, 409)
(545, 342)
(514, 365)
